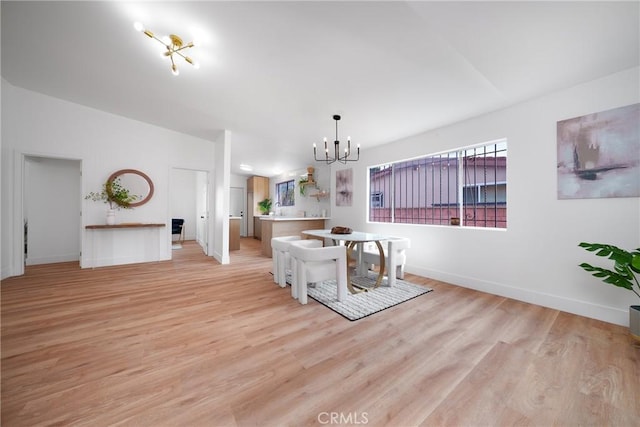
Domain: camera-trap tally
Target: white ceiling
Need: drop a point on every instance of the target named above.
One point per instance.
(274, 73)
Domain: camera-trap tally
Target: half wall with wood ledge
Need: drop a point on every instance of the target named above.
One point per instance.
(125, 243)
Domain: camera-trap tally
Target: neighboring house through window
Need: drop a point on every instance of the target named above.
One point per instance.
(377, 199)
(469, 183)
(285, 194)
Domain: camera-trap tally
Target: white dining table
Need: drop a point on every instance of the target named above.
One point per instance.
(354, 241)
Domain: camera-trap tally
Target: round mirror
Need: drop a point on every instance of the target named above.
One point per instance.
(137, 183)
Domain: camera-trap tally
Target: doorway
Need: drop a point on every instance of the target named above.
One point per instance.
(189, 201)
(51, 210)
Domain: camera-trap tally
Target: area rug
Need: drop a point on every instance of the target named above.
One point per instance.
(176, 246)
(364, 304)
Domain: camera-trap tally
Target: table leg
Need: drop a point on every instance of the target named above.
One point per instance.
(352, 286)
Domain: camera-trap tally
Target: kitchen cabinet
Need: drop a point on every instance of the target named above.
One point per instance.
(257, 228)
(234, 233)
(257, 190)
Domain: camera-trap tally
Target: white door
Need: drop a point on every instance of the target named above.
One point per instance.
(237, 207)
(203, 210)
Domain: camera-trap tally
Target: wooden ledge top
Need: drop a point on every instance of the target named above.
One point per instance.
(125, 225)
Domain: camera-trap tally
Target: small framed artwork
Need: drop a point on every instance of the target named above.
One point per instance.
(599, 154)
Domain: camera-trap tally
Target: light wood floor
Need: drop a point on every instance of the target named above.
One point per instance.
(189, 342)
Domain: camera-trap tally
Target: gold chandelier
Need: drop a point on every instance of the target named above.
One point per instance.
(174, 45)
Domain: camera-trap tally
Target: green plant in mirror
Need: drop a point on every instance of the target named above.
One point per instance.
(114, 194)
(265, 206)
(626, 266)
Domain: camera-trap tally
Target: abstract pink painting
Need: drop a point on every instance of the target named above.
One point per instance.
(599, 154)
(344, 187)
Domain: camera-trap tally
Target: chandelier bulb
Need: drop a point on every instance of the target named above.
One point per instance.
(174, 70)
(192, 62)
(138, 26)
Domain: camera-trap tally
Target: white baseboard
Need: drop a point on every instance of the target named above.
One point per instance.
(107, 262)
(582, 308)
(222, 260)
(52, 259)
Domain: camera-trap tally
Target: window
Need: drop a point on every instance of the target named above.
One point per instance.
(285, 194)
(377, 199)
(470, 184)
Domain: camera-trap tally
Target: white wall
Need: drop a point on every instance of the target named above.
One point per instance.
(310, 205)
(220, 207)
(36, 124)
(536, 259)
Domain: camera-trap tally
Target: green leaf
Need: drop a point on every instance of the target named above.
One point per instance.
(591, 247)
(609, 276)
(625, 264)
(635, 263)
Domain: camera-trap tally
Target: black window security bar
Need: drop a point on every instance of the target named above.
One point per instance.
(466, 187)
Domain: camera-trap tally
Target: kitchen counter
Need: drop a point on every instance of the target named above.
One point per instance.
(292, 218)
(278, 226)
(234, 233)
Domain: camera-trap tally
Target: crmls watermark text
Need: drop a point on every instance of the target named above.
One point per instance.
(343, 418)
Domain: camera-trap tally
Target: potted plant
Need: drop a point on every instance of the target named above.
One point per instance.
(115, 195)
(265, 206)
(306, 180)
(302, 185)
(626, 266)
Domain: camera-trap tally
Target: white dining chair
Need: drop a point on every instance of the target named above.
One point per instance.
(395, 257)
(316, 264)
(280, 258)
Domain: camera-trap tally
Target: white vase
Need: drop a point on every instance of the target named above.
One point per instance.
(111, 216)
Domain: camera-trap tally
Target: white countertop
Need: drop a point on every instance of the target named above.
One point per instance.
(291, 218)
(235, 217)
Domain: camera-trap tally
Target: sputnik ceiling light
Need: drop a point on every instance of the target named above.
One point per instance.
(336, 148)
(174, 45)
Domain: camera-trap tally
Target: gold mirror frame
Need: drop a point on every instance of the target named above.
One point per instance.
(144, 176)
